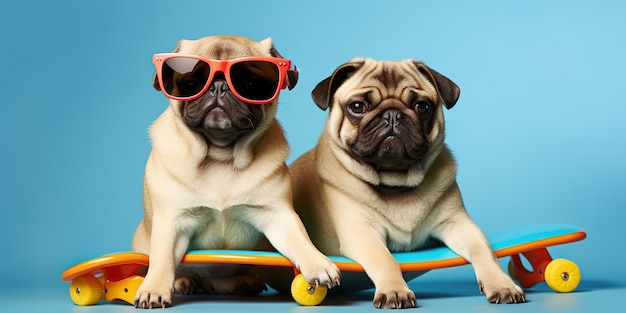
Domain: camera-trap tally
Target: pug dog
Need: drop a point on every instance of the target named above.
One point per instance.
(381, 179)
(216, 177)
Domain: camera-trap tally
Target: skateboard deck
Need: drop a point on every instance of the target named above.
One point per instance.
(116, 276)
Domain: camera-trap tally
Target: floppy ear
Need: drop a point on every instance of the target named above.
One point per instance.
(447, 90)
(292, 73)
(155, 78)
(155, 82)
(323, 93)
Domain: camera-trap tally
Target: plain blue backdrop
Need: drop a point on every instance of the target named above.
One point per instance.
(538, 132)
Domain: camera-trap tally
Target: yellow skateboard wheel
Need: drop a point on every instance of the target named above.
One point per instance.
(562, 275)
(86, 290)
(305, 293)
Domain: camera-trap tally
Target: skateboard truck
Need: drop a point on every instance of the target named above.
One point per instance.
(561, 275)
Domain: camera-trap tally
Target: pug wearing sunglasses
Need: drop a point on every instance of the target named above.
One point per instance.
(382, 180)
(216, 177)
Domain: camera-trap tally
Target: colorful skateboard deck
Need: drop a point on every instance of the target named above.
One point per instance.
(116, 276)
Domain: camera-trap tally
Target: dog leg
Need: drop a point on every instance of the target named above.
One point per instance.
(468, 241)
(287, 234)
(392, 292)
(167, 247)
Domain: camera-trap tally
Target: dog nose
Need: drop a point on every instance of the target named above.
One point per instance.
(218, 88)
(392, 117)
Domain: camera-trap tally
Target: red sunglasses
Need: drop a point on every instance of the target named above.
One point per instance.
(255, 80)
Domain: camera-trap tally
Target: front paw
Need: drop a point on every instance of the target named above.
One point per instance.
(148, 298)
(502, 291)
(397, 298)
(323, 272)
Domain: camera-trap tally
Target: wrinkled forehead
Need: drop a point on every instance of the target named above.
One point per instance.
(223, 48)
(393, 79)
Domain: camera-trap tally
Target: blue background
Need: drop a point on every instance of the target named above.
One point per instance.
(538, 131)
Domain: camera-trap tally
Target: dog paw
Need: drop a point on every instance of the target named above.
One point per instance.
(158, 298)
(236, 285)
(400, 298)
(185, 285)
(327, 275)
(504, 291)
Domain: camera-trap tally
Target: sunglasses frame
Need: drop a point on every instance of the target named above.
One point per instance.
(224, 66)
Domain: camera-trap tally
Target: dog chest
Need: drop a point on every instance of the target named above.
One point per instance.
(407, 224)
(209, 228)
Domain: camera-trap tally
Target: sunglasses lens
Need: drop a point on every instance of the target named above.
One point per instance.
(255, 80)
(184, 77)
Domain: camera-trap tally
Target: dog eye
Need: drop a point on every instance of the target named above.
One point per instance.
(357, 107)
(189, 85)
(422, 107)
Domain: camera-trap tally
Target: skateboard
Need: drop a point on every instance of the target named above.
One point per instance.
(118, 276)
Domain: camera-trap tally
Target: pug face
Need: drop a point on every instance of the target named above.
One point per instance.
(218, 115)
(387, 117)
